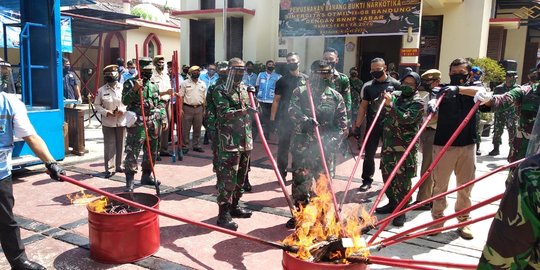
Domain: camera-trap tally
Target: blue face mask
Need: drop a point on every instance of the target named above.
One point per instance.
(132, 71)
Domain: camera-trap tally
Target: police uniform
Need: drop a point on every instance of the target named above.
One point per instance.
(109, 104)
(136, 135)
(193, 93)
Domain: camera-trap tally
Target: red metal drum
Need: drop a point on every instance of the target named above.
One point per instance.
(124, 238)
(292, 263)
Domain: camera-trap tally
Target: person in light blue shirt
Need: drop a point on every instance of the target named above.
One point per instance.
(266, 86)
(250, 77)
(131, 72)
(210, 77)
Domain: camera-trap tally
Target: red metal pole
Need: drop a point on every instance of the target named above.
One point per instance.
(430, 168)
(438, 230)
(442, 219)
(403, 265)
(172, 107)
(321, 150)
(404, 157)
(362, 149)
(147, 139)
(98, 71)
(175, 217)
(179, 102)
(414, 206)
(270, 156)
(430, 263)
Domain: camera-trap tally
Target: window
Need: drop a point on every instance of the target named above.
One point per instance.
(235, 3)
(208, 4)
(430, 42)
(151, 45)
(151, 49)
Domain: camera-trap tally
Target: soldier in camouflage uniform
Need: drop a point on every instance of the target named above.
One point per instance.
(136, 136)
(403, 111)
(514, 236)
(504, 117)
(332, 120)
(210, 112)
(340, 83)
(356, 88)
(235, 142)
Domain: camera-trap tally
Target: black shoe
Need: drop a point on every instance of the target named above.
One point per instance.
(108, 174)
(238, 212)
(119, 170)
(165, 154)
(425, 207)
(27, 265)
(494, 152)
(284, 175)
(399, 220)
(387, 209)
(158, 158)
(364, 187)
(478, 153)
(147, 180)
(246, 186)
(198, 149)
(224, 218)
(291, 224)
(185, 151)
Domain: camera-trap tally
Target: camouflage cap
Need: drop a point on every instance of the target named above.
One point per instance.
(148, 67)
(144, 61)
(432, 74)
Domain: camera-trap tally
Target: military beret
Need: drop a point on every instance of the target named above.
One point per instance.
(110, 68)
(193, 68)
(432, 74)
(144, 61)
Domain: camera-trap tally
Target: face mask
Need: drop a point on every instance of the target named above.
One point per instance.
(185, 70)
(238, 78)
(426, 86)
(195, 76)
(109, 79)
(332, 64)
(377, 74)
(407, 90)
(159, 67)
(458, 79)
(354, 74)
(146, 76)
(292, 66)
(249, 70)
(211, 72)
(534, 77)
(132, 71)
(270, 68)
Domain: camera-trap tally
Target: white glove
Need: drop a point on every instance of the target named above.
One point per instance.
(431, 106)
(483, 96)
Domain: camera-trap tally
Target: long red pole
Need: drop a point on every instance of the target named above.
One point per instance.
(179, 102)
(362, 149)
(430, 168)
(321, 150)
(150, 154)
(416, 205)
(404, 156)
(174, 74)
(438, 230)
(442, 219)
(270, 156)
(421, 262)
(175, 217)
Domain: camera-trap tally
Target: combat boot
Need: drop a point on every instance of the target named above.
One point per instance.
(478, 153)
(239, 212)
(387, 209)
(146, 179)
(129, 182)
(224, 218)
(399, 221)
(495, 150)
(247, 185)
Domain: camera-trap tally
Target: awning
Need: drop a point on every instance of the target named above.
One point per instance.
(507, 23)
(86, 21)
(213, 13)
(16, 4)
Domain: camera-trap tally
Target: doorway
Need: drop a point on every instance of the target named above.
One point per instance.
(202, 41)
(386, 48)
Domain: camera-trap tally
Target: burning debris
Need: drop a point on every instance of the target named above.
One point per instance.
(100, 204)
(319, 237)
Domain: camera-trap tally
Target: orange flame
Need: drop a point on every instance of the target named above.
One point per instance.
(81, 198)
(316, 222)
(99, 205)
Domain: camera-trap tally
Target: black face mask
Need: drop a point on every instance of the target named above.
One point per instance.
(250, 70)
(109, 79)
(332, 64)
(270, 68)
(146, 76)
(195, 76)
(238, 78)
(292, 66)
(377, 74)
(458, 79)
(159, 67)
(185, 70)
(354, 74)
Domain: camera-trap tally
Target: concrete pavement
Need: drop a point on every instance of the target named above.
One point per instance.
(56, 232)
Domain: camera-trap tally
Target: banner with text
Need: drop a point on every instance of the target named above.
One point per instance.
(348, 17)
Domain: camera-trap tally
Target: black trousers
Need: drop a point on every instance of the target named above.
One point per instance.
(10, 234)
(266, 108)
(368, 168)
(284, 144)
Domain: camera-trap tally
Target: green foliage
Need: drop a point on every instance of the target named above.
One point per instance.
(493, 72)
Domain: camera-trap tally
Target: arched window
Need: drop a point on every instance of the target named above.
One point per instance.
(114, 47)
(152, 45)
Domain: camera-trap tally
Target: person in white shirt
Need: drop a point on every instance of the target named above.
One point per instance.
(163, 81)
(109, 104)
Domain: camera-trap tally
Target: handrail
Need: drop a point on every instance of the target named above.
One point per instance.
(25, 39)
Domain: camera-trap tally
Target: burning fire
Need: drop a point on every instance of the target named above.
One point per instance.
(81, 198)
(316, 226)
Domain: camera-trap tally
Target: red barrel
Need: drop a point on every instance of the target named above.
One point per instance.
(292, 263)
(124, 238)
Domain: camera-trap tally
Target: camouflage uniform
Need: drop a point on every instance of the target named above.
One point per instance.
(234, 139)
(506, 117)
(400, 125)
(356, 87)
(136, 138)
(514, 236)
(210, 120)
(525, 99)
(340, 83)
(332, 117)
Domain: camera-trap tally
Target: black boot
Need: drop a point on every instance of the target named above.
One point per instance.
(387, 209)
(26, 265)
(247, 185)
(495, 150)
(224, 218)
(291, 224)
(146, 179)
(478, 153)
(239, 212)
(129, 182)
(399, 220)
